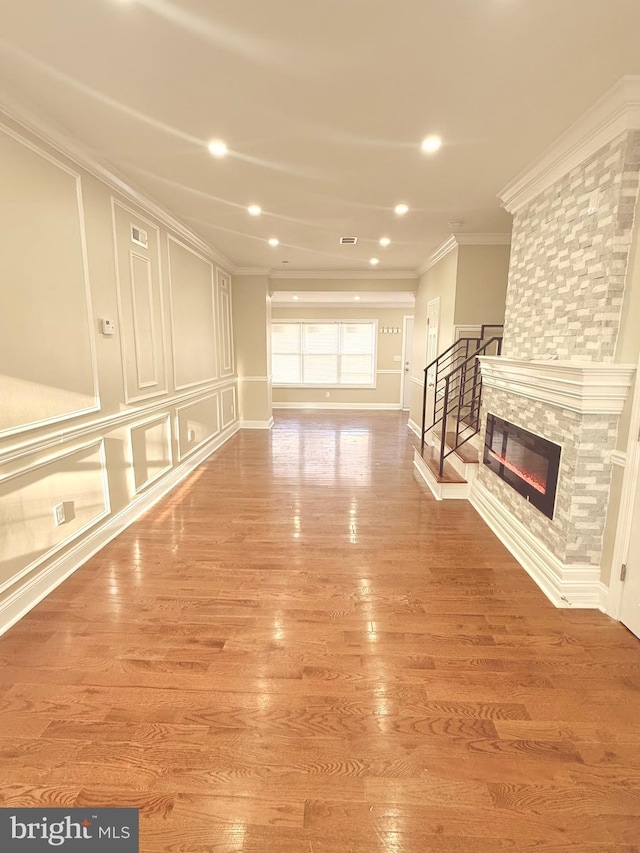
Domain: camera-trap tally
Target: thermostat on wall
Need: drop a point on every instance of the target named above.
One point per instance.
(108, 327)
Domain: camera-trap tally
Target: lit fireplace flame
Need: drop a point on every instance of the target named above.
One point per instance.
(537, 484)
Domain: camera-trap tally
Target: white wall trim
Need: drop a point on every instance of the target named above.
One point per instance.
(414, 427)
(31, 593)
(95, 407)
(64, 144)
(619, 457)
(75, 534)
(234, 406)
(163, 418)
(583, 387)
(104, 424)
(564, 586)
(604, 597)
(389, 372)
(128, 397)
(214, 304)
(190, 450)
(353, 275)
(630, 478)
(350, 406)
(483, 239)
(615, 112)
(254, 378)
(441, 252)
(257, 424)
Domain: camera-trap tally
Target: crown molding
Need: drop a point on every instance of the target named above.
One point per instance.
(617, 111)
(251, 271)
(64, 144)
(455, 240)
(483, 239)
(441, 252)
(357, 275)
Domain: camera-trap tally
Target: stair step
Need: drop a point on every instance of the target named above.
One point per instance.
(467, 453)
(449, 474)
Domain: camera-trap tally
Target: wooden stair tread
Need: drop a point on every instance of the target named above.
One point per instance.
(431, 458)
(467, 453)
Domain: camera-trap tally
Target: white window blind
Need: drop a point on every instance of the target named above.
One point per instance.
(323, 353)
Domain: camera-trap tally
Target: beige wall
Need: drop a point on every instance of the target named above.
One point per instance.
(348, 285)
(481, 286)
(386, 394)
(252, 305)
(437, 282)
(98, 423)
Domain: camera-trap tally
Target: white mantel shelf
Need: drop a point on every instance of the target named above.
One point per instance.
(579, 386)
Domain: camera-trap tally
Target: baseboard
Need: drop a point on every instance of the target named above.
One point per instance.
(257, 424)
(565, 586)
(30, 593)
(356, 407)
(414, 427)
(603, 589)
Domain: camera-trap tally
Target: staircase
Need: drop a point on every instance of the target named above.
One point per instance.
(452, 396)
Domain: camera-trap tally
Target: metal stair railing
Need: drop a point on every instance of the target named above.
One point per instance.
(457, 388)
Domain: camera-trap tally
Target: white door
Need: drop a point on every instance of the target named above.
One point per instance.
(631, 595)
(407, 353)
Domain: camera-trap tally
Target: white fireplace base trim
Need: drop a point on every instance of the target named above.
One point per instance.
(565, 586)
(590, 388)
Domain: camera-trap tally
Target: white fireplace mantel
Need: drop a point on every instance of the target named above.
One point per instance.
(579, 386)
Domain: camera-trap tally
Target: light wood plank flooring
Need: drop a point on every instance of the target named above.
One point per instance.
(300, 651)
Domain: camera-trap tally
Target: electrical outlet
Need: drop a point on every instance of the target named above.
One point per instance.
(191, 435)
(327, 394)
(397, 358)
(59, 514)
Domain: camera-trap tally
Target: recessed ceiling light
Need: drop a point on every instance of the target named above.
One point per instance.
(431, 144)
(254, 210)
(356, 299)
(274, 242)
(295, 298)
(401, 209)
(374, 262)
(217, 148)
(384, 241)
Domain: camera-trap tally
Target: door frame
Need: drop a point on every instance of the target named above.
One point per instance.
(404, 379)
(630, 480)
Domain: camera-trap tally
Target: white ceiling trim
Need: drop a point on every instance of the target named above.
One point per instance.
(357, 275)
(68, 147)
(617, 111)
(483, 239)
(441, 252)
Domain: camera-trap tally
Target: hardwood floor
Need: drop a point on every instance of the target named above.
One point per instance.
(300, 651)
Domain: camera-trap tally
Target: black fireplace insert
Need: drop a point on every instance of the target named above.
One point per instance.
(527, 462)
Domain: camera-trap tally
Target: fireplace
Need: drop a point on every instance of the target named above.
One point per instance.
(527, 462)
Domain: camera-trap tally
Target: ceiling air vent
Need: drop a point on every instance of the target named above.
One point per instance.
(348, 241)
(139, 237)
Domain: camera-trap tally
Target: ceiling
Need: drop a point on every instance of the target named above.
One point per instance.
(323, 105)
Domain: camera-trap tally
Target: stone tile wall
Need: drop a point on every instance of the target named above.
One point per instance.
(574, 535)
(564, 301)
(568, 266)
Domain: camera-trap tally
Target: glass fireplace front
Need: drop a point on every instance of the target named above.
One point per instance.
(527, 462)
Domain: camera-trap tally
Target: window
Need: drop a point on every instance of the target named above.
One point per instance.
(324, 353)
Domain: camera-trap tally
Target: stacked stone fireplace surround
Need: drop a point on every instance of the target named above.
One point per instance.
(570, 254)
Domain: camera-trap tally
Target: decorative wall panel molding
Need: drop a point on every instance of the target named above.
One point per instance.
(193, 316)
(29, 494)
(140, 305)
(225, 324)
(50, 369)
(151, 451)
(197, 423)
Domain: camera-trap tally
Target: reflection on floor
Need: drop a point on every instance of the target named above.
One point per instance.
(300, 651)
